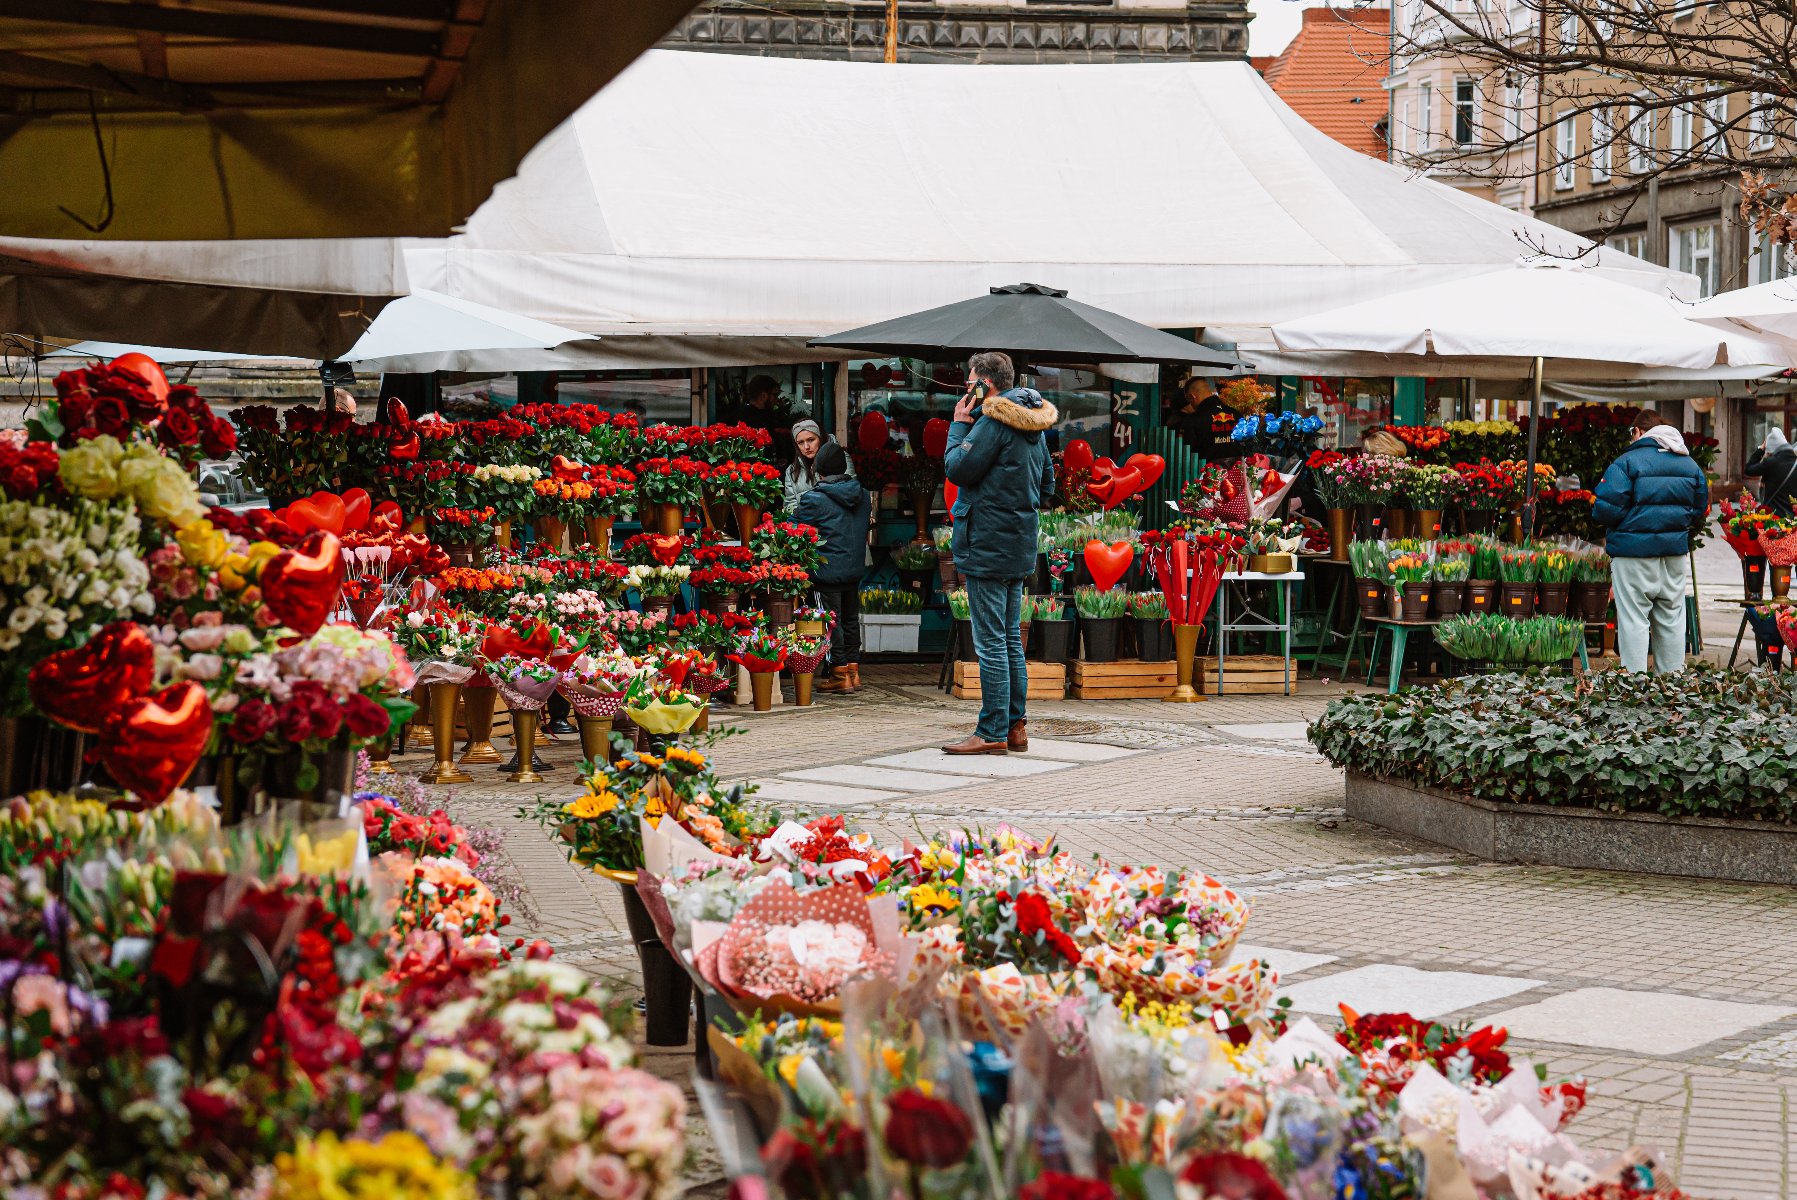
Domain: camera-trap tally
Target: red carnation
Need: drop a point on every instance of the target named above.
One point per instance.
(1052, 1185)
(925, 1131)
(365, 718)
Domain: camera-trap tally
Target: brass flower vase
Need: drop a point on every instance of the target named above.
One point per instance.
(595, 738)
(444, 770)
(524, 741)
(477, 703)
(761, 684)
(1185, 652)
(598, 534)
(380, 757)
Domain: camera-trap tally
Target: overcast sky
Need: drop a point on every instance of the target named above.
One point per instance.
(1275, 22)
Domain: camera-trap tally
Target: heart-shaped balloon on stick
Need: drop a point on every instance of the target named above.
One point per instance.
(1078, 455)
(150, 745)
(83, 686)
(1108, 563)
(301, 586)
(1116, 485)
(320, 510)
(1150, 467)
(935, 437)
(871, 433)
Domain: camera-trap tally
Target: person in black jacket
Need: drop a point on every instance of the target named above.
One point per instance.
(1774, 464)
(837, 507)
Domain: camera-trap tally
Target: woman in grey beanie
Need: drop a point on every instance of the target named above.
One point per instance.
(801, 475)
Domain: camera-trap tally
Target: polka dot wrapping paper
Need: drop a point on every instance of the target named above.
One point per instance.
(592, 704)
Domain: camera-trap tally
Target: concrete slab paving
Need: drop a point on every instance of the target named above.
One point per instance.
(1286, 962)
(992, 766)
(1386, 987)
(824, 797)
(1270, 731)
(1077, 752)
(1641, 1022)
(861, 775)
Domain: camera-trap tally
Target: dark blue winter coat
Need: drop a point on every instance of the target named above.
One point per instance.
(838, 509)
(1000, 463)
(1651, 499)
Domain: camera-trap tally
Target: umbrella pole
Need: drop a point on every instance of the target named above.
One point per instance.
(1528, 495)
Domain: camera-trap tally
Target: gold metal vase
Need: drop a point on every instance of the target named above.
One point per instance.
(477, 703)
(595, 738)
(444, 770)
(524, 741)
(1185, 652)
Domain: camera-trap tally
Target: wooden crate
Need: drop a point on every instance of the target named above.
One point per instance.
(1048, 681)
(1126, 679)
(1245, 675)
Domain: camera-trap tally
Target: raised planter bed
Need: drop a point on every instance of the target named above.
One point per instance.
(1048, 681)
(1700, 847)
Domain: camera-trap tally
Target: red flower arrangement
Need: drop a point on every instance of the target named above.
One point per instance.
(121, 401)
(877, 469)
(1419, 439)
(745, 483)
(388, 827)
(1488, 486)
(26, 468)
(677, 480)
(926, 1131)
(1034, 917)
(1053, 1185)
(721, 579)
(1324, 458)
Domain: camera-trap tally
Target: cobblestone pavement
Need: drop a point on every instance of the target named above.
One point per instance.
(1676, 998)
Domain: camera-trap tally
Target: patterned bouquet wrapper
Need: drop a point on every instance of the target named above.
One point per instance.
(778, 904)
(1000, 1003)
(805, 664)
(589, 703)
(706, 684)
(1780, 551)
(1160, 971)
(442, 670)
(523, 694)
(1227, 907)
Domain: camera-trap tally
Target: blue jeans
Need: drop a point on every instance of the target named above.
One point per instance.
(996, 610)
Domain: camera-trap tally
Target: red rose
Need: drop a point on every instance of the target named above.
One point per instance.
(253, 720)
(111, 416)
(925, 1131)
(75, 410)
(365, 718)
(1231, 1176)
(218, 439)
(1052, 1185)
(179, 429)
(311, 712)
(143, 403)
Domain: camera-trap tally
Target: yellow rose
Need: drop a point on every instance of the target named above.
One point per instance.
(161, 488)
(260, 553)
(203, 545)
(91, 468)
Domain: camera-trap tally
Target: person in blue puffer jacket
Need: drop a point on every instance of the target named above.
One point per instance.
(1651, 498)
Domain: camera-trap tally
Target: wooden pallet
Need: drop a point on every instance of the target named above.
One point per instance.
(1246, 675)
(1126, 679)
(1048, 681)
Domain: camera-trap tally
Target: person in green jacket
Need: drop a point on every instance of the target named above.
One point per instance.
(998, 457)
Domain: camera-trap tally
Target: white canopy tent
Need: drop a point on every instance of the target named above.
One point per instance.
(1766, 309)
(673, 216)
(427, 326)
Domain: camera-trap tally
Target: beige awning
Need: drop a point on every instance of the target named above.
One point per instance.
(132, 120)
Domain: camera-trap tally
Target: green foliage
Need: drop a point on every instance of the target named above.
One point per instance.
(1487, 555)
(1148, 606)
(1702, 742)
(881, 602)
(914, 556)
(1095, 605)
(1493, 637)
(958, 605)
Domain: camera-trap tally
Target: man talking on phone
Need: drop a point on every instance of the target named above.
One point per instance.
(998, 457)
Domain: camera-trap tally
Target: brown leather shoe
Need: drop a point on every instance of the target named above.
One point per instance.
(840, 683)
(1019, 739)
(855, 677)
(975, 744)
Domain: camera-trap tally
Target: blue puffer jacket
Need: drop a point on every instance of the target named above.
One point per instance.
(838, 509)
(1002, 467)
(1651, 499)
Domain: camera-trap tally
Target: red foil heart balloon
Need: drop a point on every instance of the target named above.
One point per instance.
(1150, 466)
(1108, 563)
(566, 469)
(320, 510)
(301, 586)
(357, 507)
(83, 686)
(1078, 455)
(1122, 484)
(949, 492)
(871, 433)
(146, 369)
(397, 415)
(935, 437)
(151, 744)
(665, 549)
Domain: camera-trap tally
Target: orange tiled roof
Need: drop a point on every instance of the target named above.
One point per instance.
(1331, 74)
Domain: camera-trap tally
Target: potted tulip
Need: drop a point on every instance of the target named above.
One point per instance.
(1099, 614)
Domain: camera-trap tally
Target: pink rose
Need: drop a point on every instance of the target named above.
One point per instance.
(202, 638)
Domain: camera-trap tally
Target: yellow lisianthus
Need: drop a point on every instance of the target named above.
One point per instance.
(398, 1167)
(203, 544)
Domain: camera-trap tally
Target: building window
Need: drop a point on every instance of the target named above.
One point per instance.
(1569, 33)
(1604, 23)
(1715, 124)
(1684, 120)
(1513, 123)
(1766, 262)
(1603, 132)
(1693, 248)
(1425, 120)
(1466, 112)
(1565, 136)
(1404, 139)
(1629, 243)
(1759, 121)
(1640, 138)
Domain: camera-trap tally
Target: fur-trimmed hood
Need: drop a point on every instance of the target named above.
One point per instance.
(1023, 409)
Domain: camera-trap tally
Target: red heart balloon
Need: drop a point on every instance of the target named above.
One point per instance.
(664, 549)
(320, 510)
(357, 505)
(397, 415)
(386, 515)
(146, 369)
(1108, 563)
(1150, 467)
(404, 449)
(935, 437)
(566, 469)
(1127, 481)
(83, 686)
(871, 433)
(151, 744)
(1078, 455)
(1104, 491)
(301, 586)
(949, 492)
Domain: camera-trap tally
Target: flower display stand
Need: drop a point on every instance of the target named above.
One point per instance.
(1048, 681)
(1125, 679)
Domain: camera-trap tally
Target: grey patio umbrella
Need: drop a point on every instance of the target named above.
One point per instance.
(1033, 322)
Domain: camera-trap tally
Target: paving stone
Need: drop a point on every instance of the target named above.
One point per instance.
(1387, 988)
(1274, 731)
(859, 775)
(823, 796)
(995, 766)
(1643, 1022)
(1086, 752)
(1286, 962)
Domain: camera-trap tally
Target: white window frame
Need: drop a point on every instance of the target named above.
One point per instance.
(1603, 136)
(1467, 109)
(1604, 23)
(1512, 102)
(1404, 129)
(1783, 260)
(1705, 263)
(1681, 134)
(1629, 243)
(1568, 40)
(1640, 136)
(1760, 123)
(1715, 123)
(1425, 119)
(1566, 136)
